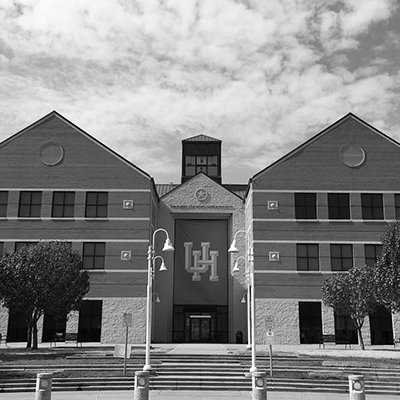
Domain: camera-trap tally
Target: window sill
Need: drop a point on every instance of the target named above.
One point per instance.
(96, 219)
(29, 219)
(309, 272)
(62, 218)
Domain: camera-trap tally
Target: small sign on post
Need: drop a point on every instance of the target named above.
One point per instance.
(127, 319)
(126, 322)
(269, 324)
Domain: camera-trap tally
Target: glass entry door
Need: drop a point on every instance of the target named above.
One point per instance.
(200, 328)
(196, 323)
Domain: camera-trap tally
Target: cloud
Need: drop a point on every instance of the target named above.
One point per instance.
(143, 75)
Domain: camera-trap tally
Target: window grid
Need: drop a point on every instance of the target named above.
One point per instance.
(341, 257)
(305, 205)
(96, 205)
(372, 252)
(206, 164)
(94, 255)
(3, 203)
(201, 158)
(397, 205)
(372, 206)
(63, 205)
(307, 257)
(339, 206)
(30, 204)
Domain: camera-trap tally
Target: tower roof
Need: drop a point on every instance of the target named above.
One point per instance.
(201, 138)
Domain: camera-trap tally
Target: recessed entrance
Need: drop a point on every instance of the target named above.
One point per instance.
(200, 324)
(201, 281)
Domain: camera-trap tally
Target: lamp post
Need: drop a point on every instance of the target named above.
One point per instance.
(151, 257)
(246, 297)
(250, 269)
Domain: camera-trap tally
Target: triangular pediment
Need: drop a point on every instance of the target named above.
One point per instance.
(201, 192)
(343, 156)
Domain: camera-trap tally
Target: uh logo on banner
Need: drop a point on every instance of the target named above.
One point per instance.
(200, 261)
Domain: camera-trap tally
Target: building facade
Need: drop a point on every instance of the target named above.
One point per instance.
(318, 210)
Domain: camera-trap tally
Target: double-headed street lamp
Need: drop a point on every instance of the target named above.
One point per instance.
(249, 264)
(246, 296)
(151, 258)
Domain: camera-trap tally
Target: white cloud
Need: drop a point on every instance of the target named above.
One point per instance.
(261, 76)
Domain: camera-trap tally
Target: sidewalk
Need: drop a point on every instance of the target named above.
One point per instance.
(188, 395)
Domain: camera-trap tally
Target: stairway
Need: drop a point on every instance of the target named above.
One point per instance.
(218, 371)
(200, 372)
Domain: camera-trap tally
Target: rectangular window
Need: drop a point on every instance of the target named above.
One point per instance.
(372, 206)
(17, 327)
(89, 324)
(1, 248)
(3, 204)
(307, 257)
(310, 318)
(372, 252)
(30, 204)
(19, 245)
(341, 257)
(305, 205)
(201, 158)
(94, 255)
(338, 206)
(345, 328)
(96, 205)
(63, 205)
(397, 205)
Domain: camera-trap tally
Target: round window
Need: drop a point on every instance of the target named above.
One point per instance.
(352, 155)
(51, 153)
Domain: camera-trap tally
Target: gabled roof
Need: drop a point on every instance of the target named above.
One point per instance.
(201, 138)
(319, 135)
(82, 132)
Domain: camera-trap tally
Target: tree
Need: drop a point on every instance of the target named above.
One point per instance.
(352, 294)
(387, 269)
(46, 278)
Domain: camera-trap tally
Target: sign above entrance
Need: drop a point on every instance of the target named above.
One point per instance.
(201, 262)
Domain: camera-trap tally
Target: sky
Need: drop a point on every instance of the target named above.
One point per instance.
(263, 76)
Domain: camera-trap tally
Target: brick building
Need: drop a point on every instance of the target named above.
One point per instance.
(320, 209)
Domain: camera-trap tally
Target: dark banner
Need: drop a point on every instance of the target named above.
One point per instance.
(201, 270)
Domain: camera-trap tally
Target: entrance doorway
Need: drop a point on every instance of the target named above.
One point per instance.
(200, 328)
(200, 324)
